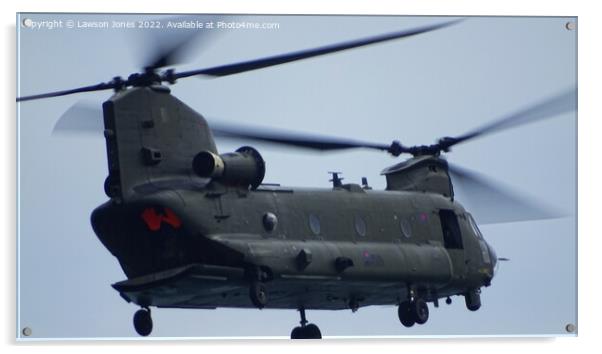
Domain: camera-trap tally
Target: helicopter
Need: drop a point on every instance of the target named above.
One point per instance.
(193, 228)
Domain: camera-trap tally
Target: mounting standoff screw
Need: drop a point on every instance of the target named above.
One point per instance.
(570, 25)
(570, 328)
(26, 331)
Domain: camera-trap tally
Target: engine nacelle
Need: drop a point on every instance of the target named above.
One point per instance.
(245, 167)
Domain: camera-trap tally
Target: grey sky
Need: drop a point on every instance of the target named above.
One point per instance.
(415, 90)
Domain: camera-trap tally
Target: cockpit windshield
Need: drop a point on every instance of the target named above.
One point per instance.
(474, 227)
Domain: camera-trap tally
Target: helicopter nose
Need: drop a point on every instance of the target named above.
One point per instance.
(493, 256)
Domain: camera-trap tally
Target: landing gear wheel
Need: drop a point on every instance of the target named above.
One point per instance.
(297, 333)
(143, 323)
(420, 311)
(312, 332)
(258, 294)
(405, 314)
(473, 300)
(305, 331)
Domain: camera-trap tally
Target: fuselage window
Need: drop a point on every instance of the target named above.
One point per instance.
(406, 228)
(314, 224)
(452, 237)
(360, 226)
(270, 221)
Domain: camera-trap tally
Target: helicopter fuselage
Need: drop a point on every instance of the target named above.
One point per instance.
(319, 249)
(195, 229)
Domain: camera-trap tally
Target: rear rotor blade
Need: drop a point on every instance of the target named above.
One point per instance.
(492, 204)
(82, 117)
(245, 66)
(549, 108)
(98, 87)
(295, 139)
(169, 51)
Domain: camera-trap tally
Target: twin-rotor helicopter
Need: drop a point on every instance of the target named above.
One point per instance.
(195, 228)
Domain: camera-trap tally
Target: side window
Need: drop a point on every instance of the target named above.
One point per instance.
(406, 228)
(314, 224)
(360, 226)
(452, 237)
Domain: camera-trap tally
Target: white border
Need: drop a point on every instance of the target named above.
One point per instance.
(589, 176)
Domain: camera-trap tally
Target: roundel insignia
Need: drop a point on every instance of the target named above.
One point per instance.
(154, 220)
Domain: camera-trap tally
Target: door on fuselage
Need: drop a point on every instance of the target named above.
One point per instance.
(452, 241)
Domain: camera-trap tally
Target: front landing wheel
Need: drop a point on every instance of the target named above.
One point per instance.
(143, 322)
(420, 311)
(473, 299)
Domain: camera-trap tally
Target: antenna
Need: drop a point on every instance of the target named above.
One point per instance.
(336, 180)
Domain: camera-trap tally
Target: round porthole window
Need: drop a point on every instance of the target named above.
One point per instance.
(314, 224)
(270, 221)
(406, 229)
(360, 226)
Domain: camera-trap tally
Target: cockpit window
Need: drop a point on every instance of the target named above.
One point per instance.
(452, 236)
(474, 227)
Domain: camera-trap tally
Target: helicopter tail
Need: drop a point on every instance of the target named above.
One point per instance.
(151, 139)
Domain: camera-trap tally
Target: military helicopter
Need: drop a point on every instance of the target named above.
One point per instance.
(193, 228)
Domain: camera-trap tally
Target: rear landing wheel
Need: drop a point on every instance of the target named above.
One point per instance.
(311, 331)
(305, 331)
(297, 333)
(404, 312)
(143, 323)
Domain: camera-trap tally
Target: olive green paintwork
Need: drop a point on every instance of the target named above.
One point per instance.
(334, 248)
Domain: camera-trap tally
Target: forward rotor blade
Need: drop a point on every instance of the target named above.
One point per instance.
(295, 139)
(170, 47)
(245, 66)
(98, 87)
(492, 204)
(82, 117)
(549, 108)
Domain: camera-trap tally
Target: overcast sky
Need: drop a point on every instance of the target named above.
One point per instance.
(415, 90)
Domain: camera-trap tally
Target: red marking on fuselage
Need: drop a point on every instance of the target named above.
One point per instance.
(154, 220)
(172, 219)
